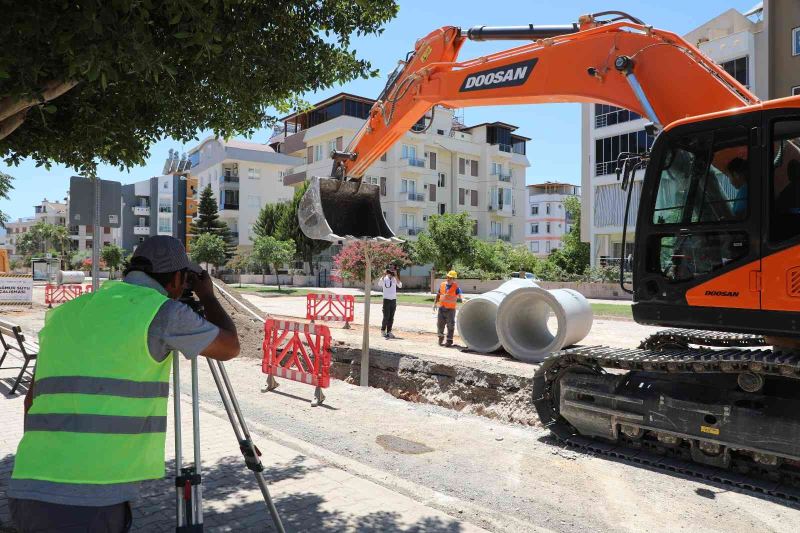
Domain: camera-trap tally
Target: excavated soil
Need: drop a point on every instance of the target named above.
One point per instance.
(414, 378)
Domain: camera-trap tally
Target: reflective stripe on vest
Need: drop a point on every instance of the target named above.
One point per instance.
(448, 298)
(100, 400)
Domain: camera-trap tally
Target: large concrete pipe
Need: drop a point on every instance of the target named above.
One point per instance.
(64, 277)
(522, 322)
(476, 318)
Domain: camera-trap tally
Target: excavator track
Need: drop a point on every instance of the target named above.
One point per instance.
(679, 337)
(751, 470)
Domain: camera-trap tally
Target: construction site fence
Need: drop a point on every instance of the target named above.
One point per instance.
(59, 294)
(297, 351)
(330, 307)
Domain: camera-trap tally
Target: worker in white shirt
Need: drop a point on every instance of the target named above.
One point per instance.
(389, 284)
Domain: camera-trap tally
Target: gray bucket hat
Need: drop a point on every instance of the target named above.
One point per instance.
(165, 254)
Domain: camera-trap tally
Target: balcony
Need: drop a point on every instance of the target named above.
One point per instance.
(414, 163)
(414, 196)
(141, 230)
(504, 148)
(229, 207)
(502, 175)
(502, 209)
(501, 236)
(411, 232)
(141, 211)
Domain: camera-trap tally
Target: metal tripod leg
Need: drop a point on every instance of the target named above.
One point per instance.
(249, 451)
(188, 481)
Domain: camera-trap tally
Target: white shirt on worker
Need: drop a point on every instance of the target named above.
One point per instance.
(389, 284)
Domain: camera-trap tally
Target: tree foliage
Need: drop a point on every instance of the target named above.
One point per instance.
(208, 221)
(351, 260)
(44, 237)
(573, 257)
(208, 248)
(100, 81)
(112, 255)
(268, 250)
(447, 240)
(5, 187)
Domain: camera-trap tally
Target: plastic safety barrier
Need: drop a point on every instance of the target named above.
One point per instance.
(298, 352)
(58, 294)
(87, 288)
(331, 308)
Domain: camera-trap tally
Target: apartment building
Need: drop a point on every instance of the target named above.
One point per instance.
(439, 166)
(547, 218)
(737, 42)
(244, 176)
(47, 211)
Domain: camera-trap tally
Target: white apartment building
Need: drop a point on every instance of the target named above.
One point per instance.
(732, 40)
(244, 176)
(448, 168)
(547, 218)
(47, 211)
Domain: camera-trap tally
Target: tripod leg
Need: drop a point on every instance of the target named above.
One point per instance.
(176, 400)
(319, 397)
(272, 383)
(197, 485)
(239, 425)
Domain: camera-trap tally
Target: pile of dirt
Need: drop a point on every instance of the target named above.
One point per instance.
(250, 329)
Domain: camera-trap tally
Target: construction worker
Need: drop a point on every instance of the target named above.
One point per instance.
(390, 282)
(448, 296)
(95, 413)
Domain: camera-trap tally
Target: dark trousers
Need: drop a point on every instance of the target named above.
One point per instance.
(44, 517)
(389, 307)
(447, 317)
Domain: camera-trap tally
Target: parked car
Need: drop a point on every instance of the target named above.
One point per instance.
(528, 275)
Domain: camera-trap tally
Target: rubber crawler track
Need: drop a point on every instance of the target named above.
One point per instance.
(597, 358)
(685, 337)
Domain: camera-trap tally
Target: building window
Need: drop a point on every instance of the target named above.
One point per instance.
(254, 173)
(547, 209)
(164, 225)
(331, 146)
(547, 228)
(432, 160)
(547, 246)
(461, 194)
(796, 90)
(607, 115)
(439, 132)
(408, 220)
(409, 152)
(535, 209)
(534, 247)
(496, 229)
(442, 209)
(796, 41)
(442, 178)
(607, 150)
(738, 69)
(534, 229)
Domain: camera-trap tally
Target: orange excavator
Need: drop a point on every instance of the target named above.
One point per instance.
(717, 238)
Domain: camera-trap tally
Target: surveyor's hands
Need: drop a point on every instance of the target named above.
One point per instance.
(201, 285)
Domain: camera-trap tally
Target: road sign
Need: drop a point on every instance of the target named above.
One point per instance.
(82, 202)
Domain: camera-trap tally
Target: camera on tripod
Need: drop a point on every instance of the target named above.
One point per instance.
(189, 298)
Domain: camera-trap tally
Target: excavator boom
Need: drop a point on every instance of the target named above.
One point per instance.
(620, 62)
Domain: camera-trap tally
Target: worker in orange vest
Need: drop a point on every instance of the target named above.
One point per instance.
(448, 296)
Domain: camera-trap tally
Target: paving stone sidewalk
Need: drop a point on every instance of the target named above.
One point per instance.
(309, 494)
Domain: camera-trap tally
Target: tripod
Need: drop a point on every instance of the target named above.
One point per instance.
(188, 480)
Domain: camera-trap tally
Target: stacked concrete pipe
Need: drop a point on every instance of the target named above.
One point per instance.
(477, 317)
(522, 321)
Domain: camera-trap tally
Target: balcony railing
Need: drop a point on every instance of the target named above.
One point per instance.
(141, 230)
(231, 207)
(504, 148)
(501, 175)
(501, 236)
(410, 231)
(229, 178)
(415, 196)
(141, 211)
(414, 162)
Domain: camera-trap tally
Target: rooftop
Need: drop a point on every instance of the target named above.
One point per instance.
(330, 100)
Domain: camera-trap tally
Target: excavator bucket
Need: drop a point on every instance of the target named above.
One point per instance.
(334, 210)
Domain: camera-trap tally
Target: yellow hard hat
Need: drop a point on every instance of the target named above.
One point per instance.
(452, 274)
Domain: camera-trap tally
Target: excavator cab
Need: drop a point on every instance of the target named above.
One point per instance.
(334, 209)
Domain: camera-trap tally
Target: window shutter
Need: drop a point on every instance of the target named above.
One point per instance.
(339, 143)
(383, 157)
(432, 160)
(460, 196)
(432, 193)
(462, 166)
(383, 186)
(474, 168)
(474, 198)
(310, 154)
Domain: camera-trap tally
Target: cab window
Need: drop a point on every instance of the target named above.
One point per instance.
(704, 178)
(785, 181)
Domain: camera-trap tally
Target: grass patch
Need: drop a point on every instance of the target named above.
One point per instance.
(268, 291)
(612, 310)
(404, 299)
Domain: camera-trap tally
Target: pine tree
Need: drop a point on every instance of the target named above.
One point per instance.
(208, 221)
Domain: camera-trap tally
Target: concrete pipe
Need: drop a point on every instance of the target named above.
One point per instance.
(476, 318)
(522, 322)
(64, 277)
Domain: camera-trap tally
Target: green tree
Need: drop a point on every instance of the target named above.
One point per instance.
(112, 255)
(268, 220)
(352, 264)
(44, 237)
(208, 221)
(491, 258)
(573, 257)
(521, 259)
(208, 248)
(268, 250)
(447, 240)
(5, 187)
(91, 82)
(239, 263)
(289, 228)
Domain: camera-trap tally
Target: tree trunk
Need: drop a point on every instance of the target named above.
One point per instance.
(277, 277)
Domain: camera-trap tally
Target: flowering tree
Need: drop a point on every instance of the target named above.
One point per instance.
(351, 263)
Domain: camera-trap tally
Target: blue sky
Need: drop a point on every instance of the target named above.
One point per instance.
(554, 128)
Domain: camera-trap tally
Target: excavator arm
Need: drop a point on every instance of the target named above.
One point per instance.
(621, 62)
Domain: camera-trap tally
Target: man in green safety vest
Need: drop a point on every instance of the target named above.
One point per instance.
(95, 420)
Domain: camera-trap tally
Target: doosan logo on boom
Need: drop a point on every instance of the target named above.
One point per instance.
(507, 76)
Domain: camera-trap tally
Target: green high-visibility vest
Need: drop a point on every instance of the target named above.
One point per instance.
(100, 400)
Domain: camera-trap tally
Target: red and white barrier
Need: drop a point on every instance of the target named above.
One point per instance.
(298, 352)
(58, 294)
(331, 308)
